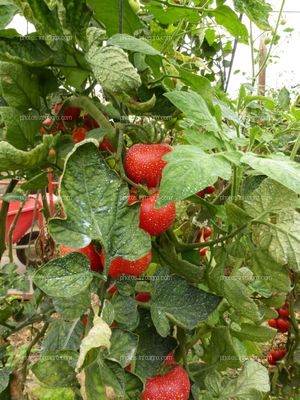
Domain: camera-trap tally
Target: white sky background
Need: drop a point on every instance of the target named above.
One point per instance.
(283, 71)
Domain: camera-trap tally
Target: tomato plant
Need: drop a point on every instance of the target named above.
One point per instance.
(168, 268)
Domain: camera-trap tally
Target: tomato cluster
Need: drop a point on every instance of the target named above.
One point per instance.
(276, 355)
(204, 233)
(282, 323)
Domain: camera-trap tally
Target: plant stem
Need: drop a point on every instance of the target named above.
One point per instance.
(295, 148)
(11, 231)
(252, 54)
(3, 216)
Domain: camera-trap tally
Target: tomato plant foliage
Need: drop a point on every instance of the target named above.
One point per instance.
(96, 81)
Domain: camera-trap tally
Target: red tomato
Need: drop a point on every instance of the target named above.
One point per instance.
(278, 354)
(143, 297)
(89, 123)
(203, 252)
(105, 145)
(283, 325)
(199, 235)
(84, 321)
(209, 190)
(79, 135)
(156, 220)
(272, 323)
(144, 163)
(207, 232)
(71, 113)
(113, 289)
(201, 194)
(47, 122)
(57, 107)
(283, 312)
(132, 199)
(271, 360)
(88, 251)
(173, 385)
(170, 360)
(120, 266)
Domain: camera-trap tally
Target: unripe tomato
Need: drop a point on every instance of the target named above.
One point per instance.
(88, 251)
(79, 135)
(105, 145)
(143, 297)
(120, 266)
(283, 312)
(207, 232)
(156, 220)
(272, 323)
(173, 385)
(144, 163)
(135, 5)
(283, 325)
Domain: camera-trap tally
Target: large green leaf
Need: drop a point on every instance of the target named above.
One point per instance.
(226, 17)
(123, 347)
(20, 130)
(205, 140)
(183, 304)
(12, 159)
(113, 70)
(257, 10)
(255, 333)
(152, 348)
(108, 14)
(95, 203)
(72, 307)
(197, 83)
(280, 168)
(283, 240)
(63, 335)
(28, 50)
(131, 43)
(65, 276)
(126, 314)
(189, 170)
(19, 86)
(194, 107)
(7, 11)
(269, 197)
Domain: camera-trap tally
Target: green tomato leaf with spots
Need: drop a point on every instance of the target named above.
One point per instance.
(65, 276)
(95, 204)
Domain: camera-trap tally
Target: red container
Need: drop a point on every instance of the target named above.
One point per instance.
(26, 219)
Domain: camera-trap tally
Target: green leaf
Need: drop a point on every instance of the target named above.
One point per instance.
(235, 214)
(210, 36)
(63, 335)
(205, 140)
(46, 393)
(280, 168)
(123, 347)
(160, 321)
(20, 130)
(270, 272)
(194, 107)
(4, 378)
(65, 276)
(257, 10)
(134, 387)
(126, 314)
(269, 197)
(95, 202)
(12, 159)
(108, 312)
(98, 337)
(152, 348)
(19, 86)
(72, 307)
(198, 84)
(251, 384)
(255, 333)
(238, 296)
(171, 15)
(189, 170)
(7, 12)
(131, 43)
(73, 16)
(113, 70)
(284, 243)
(55, 369)
(226, 17)
(108, 14)
(183, 304)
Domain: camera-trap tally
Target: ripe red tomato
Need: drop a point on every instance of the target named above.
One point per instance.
(209, 190)
(271, 359)
(143, 297)
(273, 323)
(57, 107)
(105, 145)
(173, 385)
(84, 321)
(203, 252)
(199, 235)
(113, 289)
(47, 122)
(207, 232)
(69, 113)
(283, 312)
(89, 123)
(144, 164)
(120, 266)
(88, 251)
(278, 354)
(201, 194)
(156, 220)
(79, 135)
(283, 324)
